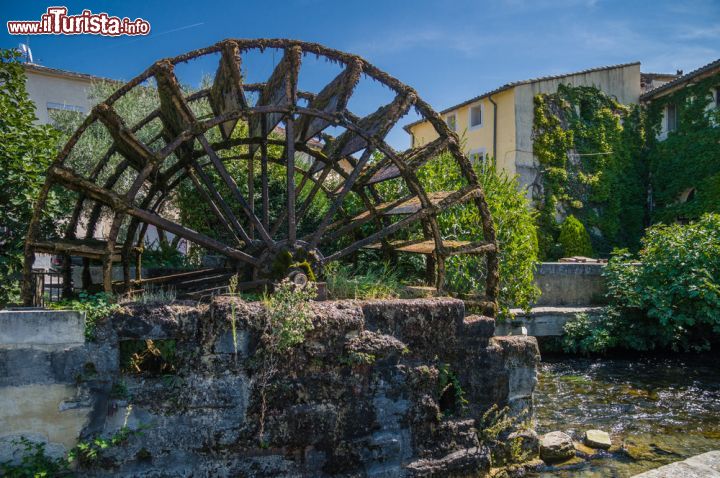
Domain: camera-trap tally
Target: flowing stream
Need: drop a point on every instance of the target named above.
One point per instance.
(657, 410)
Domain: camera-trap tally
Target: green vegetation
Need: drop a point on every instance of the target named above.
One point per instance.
(494, 422)
(452, 399)
(685, 166)
(26, 151)
(668, 297)
(288, 316)
(96, 307)
(574, 239)
(35, 463)
(287, 320)
(514, 225)
(167, 255)
(589, 148)
(377, 281)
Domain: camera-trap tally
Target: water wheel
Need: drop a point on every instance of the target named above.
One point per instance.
(322, 149)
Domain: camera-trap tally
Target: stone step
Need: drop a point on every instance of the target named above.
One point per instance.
(706, 465)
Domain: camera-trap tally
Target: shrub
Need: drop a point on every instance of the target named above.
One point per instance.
(574, 239)
(515, 229)
(33, 462)
(26, 150)
(288, 319)
(666, 298)
(96, 307)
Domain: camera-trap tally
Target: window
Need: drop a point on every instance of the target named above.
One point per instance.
(671, 114)
(476, 116)
(451, 121)
(64, 107)
(478, 156)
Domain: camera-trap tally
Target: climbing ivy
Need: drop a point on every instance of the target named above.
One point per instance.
(685, 166)
(588, 146)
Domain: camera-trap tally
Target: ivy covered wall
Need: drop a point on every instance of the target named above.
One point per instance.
(589, 147)
(685, 166)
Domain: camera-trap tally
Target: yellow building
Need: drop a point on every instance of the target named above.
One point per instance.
(498, 124)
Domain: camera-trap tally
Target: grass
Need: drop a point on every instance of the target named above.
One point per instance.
(154, 295)
(377, 282)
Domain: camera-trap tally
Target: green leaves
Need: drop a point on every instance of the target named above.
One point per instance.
(666, 298)
(590, 152)
(26, 150)
(514, 225)
(96, 307)
(574, 239)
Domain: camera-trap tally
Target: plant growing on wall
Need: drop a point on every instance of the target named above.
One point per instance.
(287, 320)
(26, 150)
(685, 166)
(589, 148)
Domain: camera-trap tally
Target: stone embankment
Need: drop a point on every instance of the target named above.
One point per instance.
(378, 388)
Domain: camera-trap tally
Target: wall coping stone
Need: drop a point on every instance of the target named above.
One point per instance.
(29, 328)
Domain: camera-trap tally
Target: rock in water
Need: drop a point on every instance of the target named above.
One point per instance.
(556, 446)
(597, 439)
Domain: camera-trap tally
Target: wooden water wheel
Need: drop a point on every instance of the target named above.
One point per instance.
(325, 150)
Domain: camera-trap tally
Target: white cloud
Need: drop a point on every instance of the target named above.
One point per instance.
(468, 44)
(694, 33)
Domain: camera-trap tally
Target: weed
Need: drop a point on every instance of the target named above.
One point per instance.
(452, 395)
(376, 282)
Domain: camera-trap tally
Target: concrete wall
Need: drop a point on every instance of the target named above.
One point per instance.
(570, 284)
(623, 83)
(544, 321)
(42, 353)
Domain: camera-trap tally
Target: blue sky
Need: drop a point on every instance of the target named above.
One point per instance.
(447, 50)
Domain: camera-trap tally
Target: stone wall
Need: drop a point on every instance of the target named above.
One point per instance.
(365, 395)
(570, 284)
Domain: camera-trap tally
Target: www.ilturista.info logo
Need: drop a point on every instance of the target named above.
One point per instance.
(57, 22)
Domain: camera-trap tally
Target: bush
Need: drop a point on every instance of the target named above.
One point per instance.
(574, 239)
(670, 299)
(96, 307)
(515, 229)
(26, 150)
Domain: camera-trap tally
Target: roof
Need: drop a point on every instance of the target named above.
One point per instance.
(513, 84)
(682, 80)
(67, 74)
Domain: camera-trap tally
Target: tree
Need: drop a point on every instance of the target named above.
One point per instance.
(514, 224)
(26, 151)
(574, 238)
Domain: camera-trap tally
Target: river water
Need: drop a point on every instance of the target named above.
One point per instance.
(657, 410)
